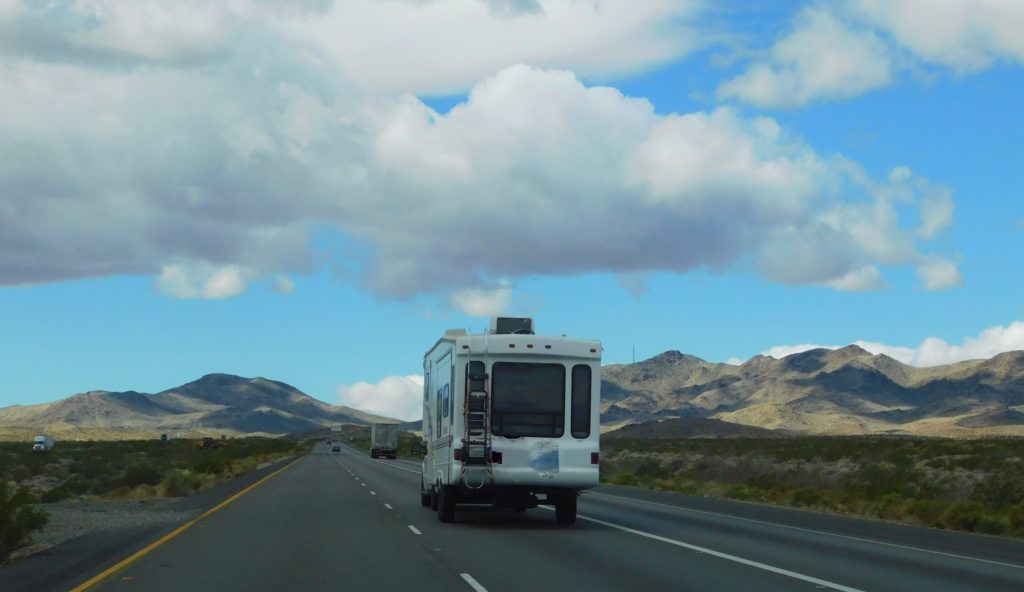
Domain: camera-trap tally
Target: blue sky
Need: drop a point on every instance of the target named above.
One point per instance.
(313, 192)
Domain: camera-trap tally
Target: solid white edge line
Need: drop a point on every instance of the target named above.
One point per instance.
(832, 534)
(473, 583)
(726, 556)
(414, 529)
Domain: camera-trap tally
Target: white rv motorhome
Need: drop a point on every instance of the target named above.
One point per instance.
(511, 419)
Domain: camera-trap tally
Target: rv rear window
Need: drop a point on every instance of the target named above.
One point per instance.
(528, 399)
(580, 427)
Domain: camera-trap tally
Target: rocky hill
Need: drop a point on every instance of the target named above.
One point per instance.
(692, 427)
(843, 391)
(214, 404)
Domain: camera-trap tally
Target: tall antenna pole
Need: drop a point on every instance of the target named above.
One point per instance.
(634, 353)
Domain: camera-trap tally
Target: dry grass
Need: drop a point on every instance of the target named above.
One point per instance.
(972, 485)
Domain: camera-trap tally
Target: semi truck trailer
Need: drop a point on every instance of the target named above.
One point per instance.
(42, 443)
(384, 440)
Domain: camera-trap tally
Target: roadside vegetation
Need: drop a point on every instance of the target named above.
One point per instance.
(18, 518)
(969, 485)
(133, 469)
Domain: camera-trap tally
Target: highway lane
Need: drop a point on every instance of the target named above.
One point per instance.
(345, 521)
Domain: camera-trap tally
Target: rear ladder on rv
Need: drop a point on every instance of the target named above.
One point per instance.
(477, 466)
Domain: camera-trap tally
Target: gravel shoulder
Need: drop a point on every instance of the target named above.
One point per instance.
(69, 520)
(84, 537)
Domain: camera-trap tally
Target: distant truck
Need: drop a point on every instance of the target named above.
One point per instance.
(384, 440)
(511, 419)
(42, 443)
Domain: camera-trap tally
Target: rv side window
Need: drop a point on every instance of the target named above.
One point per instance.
(527, 399)
(426, 402)
(445, 400)
(437, 411)
(580, 427)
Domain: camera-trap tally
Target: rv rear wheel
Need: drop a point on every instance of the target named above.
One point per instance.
(446, 504)
(565, 509)
(424, 495)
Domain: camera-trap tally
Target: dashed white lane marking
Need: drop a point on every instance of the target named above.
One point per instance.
(388, 506)
(373, 493)
(363, 484)
(414, 529)
(832, 534)
(473, 583)
(726, 556)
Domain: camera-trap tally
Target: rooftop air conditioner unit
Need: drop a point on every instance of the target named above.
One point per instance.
(507, 325)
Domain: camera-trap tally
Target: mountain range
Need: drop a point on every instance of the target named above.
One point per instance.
(845, 391)
(215, 404)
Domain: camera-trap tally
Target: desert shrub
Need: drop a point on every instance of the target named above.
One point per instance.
(18, 519)
(890, 506)
(56, 494)
(80, 486)
(141, 475)
(963, 515)
(927, 512)
(212, 464)
(181, 483)
(1015, 516)
(746, 493)
(650, 468)
(1000, 490)
(807, 498)
(990, 525)
(623, 478)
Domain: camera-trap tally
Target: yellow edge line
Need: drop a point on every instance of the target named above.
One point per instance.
(177, 531)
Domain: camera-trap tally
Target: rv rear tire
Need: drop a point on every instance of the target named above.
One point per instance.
(424, 495)
(446, 504)
(565, 509)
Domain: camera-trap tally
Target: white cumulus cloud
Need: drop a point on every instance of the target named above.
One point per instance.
(446, 46)
(482, 302)
(284, 284)
(843, 49)
(205, 281)
(939, 274)
(965, 35)
(822, 58)
(859, 280)
(932, 351)
(143, 158)
(400, 397)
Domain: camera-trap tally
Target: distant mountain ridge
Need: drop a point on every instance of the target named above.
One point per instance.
(847, 391)
(215, 403)
(822, 391)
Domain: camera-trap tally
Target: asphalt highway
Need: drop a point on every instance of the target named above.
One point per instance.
(343, 521)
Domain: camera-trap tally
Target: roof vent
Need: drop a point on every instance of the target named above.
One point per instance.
(510, 325)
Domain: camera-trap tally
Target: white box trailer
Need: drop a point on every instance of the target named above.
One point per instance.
(511, 419)
(42, 443)
(384, 440)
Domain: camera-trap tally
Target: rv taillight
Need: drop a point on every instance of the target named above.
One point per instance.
(595, 457)
(457, 454)
(496, 457)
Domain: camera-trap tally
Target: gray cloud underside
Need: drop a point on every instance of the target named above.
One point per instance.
(235, 154)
